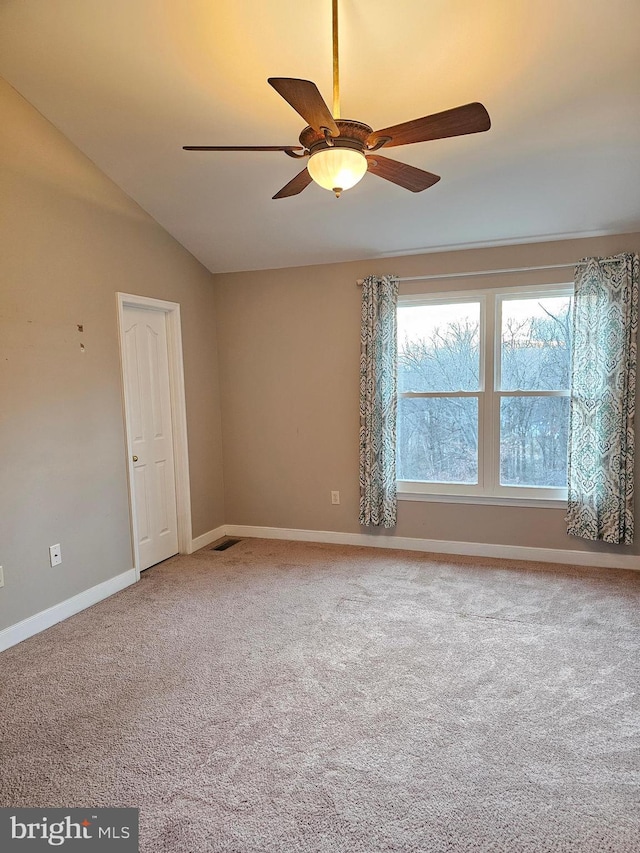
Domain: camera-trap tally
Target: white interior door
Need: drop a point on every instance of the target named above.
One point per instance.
(148, 414)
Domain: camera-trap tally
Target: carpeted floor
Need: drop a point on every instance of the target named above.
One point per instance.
(283, 697)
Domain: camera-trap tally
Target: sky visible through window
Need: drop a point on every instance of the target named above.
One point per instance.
(419, 322)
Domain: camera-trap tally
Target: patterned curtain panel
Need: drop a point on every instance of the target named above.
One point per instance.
(378, 401)
(603, 391)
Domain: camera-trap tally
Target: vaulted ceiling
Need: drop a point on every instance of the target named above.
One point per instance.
(132, 81)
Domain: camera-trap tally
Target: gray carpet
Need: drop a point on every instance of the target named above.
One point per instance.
(283, 698)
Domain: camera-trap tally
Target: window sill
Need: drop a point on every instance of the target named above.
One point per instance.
(486, 500)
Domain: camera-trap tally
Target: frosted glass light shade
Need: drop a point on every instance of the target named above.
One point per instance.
(337, 168)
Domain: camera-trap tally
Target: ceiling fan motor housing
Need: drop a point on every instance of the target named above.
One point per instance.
(353, 134)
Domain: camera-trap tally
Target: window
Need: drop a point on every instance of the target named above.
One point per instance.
(483, 394)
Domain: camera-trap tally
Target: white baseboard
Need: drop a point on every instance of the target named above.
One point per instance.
(207, 538)
(46, 618)
(438, 546)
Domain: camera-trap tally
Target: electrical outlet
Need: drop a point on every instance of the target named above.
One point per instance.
(1, 576)
(55, 555)
(335, 497)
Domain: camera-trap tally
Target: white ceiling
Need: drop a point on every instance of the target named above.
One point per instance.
(131, 81)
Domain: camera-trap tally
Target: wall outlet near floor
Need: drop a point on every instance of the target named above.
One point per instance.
(335, 497)
(55, 555)
(1, 576)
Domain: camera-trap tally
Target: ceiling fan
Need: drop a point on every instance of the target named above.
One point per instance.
(341, 151)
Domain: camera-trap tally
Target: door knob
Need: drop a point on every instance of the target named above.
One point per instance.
(135, 458)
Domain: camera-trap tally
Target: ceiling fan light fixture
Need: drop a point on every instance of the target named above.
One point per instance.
(339, 149)
(337, 169)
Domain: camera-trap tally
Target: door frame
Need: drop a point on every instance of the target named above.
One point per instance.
(171, 311)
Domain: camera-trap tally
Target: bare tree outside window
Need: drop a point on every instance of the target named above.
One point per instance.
(438, 352)
(440, 388)
(535, 356)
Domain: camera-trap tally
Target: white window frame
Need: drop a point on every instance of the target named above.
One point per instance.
(488, 490)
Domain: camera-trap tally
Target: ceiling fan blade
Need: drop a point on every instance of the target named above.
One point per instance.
(305, 98)
(470, 118)
(242, 147)
(402, 174)
(296, 185)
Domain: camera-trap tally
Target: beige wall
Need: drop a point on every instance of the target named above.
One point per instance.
(69, 239)
(289, 360)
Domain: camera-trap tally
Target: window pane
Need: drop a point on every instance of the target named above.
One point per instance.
(533, 441)
(438, 347)
(438, 439)
(536, 344)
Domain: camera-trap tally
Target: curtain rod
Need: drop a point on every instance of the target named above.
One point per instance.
(441, 276)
